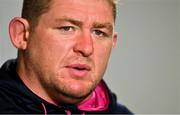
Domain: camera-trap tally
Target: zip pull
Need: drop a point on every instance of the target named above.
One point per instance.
(44, 108)
(68, 112)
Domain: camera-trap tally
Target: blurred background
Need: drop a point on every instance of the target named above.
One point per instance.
(144, 69)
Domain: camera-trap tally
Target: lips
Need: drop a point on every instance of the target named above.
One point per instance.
(78, 70)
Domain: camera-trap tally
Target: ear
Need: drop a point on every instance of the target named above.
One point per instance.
(19, 32)
(114, 39)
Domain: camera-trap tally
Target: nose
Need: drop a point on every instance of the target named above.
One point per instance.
(84, 45)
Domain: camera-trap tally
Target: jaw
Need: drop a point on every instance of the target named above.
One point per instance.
(72, 93)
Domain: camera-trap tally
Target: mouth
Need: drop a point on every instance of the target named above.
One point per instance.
(78, 70)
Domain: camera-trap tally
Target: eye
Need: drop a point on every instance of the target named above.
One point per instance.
(100, 33)
(66, 29)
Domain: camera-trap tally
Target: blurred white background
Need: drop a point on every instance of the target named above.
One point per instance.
(144, 69)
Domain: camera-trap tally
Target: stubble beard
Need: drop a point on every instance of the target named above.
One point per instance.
(61, 93)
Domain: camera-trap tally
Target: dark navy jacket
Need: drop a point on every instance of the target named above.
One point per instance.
(15, 97)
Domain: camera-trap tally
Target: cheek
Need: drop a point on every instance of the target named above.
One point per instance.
(48, 51)
(54, 46)
(103, 50)
(103, 57)
(102, 54)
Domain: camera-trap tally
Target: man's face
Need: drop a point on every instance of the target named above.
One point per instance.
(69, 50)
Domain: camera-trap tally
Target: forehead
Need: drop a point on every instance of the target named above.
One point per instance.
(81, 3)
(82, 8)
(110, 2)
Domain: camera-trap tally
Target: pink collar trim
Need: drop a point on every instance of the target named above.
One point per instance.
(99, 100)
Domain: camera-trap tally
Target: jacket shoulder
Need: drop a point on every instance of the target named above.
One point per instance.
(121, 109)
(114, 106)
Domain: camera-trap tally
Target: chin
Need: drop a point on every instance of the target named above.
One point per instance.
(79, 90)
(73, 90)
(74, 96)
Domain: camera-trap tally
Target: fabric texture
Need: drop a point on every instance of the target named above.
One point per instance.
(15, 97)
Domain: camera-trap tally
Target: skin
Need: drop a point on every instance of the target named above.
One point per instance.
(65, 57)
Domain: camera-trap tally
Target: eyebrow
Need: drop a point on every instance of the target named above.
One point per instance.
(73, 21)
(79, 23)
(109, 26)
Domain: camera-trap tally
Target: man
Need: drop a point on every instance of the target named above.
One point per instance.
(63, 51)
